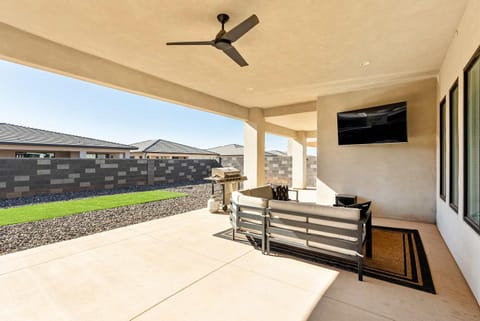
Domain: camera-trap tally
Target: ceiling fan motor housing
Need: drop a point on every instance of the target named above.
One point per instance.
(222, 44)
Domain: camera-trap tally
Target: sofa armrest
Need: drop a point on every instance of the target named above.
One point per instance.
(366, 220)
(250, 207)
(365, 217)
(249, 220)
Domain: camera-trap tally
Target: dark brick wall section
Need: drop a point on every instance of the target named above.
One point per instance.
(233, 161)
(169, 171)
(311, 171)
(30, 177)
(278, 169)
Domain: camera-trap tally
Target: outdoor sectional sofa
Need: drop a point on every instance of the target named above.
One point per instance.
(335, 231)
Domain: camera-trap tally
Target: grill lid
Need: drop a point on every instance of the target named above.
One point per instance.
(225, 172)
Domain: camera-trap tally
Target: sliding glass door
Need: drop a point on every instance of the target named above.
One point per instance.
(443, 150)
(472, 142)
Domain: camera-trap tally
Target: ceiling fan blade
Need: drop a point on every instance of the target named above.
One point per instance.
(235, 55)
(190, 43)
(241, 29)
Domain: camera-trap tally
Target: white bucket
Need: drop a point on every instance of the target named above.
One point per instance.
(213, 204)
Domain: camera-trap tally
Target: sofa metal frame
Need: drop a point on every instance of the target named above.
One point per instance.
(287, 230)
(287, 225)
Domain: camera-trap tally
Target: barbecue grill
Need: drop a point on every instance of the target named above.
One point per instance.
(229, 178)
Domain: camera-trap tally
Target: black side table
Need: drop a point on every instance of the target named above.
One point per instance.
(345, 199)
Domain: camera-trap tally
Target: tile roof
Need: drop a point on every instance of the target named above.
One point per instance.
(228, 150)
(233, 150)
(278, 152)
(168, 147)
(20, 135)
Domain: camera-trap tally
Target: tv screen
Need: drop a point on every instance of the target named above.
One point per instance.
(374, 125)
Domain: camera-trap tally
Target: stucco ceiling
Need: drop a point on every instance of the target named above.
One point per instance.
(301, 49)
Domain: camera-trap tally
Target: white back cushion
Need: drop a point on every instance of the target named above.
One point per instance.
(264, 191)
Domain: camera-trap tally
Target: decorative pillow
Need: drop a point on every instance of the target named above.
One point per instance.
(274, 192)
(362, 206)
(282, 193)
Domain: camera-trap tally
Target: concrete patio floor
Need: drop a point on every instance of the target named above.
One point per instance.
(175, 269)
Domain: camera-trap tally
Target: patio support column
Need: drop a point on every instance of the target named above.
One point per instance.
(254, 150)
(297, 148)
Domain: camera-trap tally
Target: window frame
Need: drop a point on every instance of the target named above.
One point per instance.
(450, 142)
(443, 152)
(466, 218)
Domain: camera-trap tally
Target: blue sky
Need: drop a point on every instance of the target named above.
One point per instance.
(39, 99)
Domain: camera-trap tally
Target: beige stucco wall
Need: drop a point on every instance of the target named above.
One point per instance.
(398, 178)
(461, 239)
(62, 154)
(7, 153)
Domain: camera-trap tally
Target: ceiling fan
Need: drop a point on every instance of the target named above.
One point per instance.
(224, 39)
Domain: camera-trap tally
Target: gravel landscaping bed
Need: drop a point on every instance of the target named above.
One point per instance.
(28, 235)
(74, 195)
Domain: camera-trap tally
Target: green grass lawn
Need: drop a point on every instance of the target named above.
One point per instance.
(36, 212)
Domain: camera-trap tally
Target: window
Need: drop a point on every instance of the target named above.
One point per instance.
(97, 155)
(453, 125)
(472, 141)
(443, 149)
(34, 155)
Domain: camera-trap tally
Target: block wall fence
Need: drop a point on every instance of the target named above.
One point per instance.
(31, 177)
(278, 169)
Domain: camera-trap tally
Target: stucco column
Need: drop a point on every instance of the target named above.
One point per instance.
(254, 150)
(297, 148)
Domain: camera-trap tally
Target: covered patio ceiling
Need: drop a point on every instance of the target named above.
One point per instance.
(300, 50)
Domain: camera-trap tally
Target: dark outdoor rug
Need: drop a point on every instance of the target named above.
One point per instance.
(398, 257)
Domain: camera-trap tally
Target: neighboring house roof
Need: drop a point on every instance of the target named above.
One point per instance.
(278, 153)
(166, 147)
(228, 150)
(233, 150)
(20, 135)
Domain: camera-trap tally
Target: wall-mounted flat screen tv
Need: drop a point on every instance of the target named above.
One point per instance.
(374, 125)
